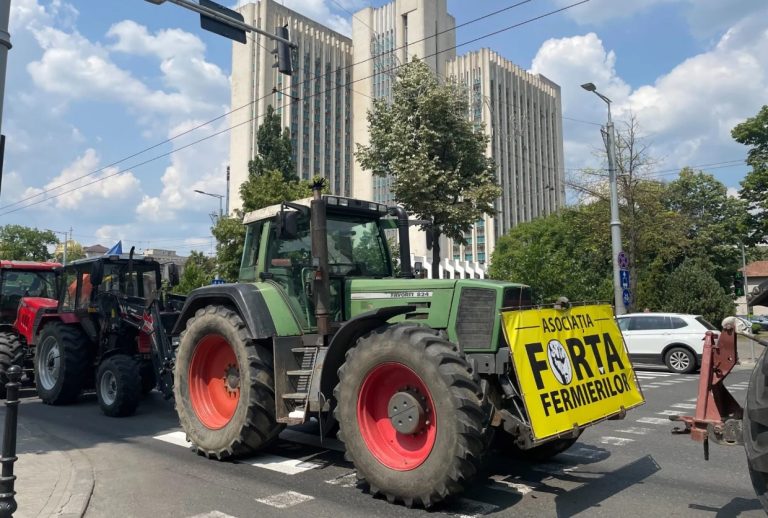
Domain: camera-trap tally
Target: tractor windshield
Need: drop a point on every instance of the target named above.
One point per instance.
(356, 247)
(142, 282)
(19, 283)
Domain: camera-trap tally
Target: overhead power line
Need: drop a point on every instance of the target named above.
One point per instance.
(391, 69)
(206, 123)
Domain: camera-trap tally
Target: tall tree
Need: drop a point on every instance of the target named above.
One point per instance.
(74, 252)
(691, 288)
(274, 149)
(436, 159)
(21, 243)
(198, 271)
(271, 187)
(230, 238)
(753, 132)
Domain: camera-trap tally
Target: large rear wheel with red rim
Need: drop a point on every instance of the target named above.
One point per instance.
(224, 386)
(409, 407)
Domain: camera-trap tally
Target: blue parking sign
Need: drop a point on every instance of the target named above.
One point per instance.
(626, 297)
(624, 276)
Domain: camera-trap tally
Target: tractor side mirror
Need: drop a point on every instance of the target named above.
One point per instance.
(287, 223)
(97, 273)
(173, 275)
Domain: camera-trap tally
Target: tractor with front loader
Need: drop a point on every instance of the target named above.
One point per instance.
(107, 329)
(34, 281)
(418, 373)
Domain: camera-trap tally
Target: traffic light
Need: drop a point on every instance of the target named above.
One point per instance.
(738, 286)
(283, 52)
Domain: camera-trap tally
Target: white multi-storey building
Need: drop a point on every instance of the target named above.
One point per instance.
(315, 102)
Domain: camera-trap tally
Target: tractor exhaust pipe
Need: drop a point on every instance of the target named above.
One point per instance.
(405, 245)
(321, 288)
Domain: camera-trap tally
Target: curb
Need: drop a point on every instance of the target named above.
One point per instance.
(74, 496)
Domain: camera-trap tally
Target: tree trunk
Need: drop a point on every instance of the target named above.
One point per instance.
(435, 254)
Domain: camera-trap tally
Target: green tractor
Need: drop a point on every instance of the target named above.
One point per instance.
(416, 372)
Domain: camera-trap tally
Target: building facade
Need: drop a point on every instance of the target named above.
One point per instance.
(314, 103)
(522, 114)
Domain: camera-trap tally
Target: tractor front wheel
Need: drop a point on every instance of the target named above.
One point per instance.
(224, 386)
(11, 353)
(61, 363)
(409, 409)
(118, 385)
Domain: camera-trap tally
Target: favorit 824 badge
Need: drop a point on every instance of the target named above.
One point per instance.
(571, 365)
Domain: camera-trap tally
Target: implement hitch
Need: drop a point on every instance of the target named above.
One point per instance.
(718, 415)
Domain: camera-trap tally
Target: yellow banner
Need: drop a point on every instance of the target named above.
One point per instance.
(571, 365)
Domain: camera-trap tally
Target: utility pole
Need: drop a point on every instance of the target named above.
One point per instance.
(5, 46)
(227, 190)
(746, 280)
(617, 255)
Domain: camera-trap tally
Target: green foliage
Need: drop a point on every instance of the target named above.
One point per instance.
(435, 157)
(691, 288)
(567, 253)
(269, 188)
(753, 132)
(230, 238)
(274, 149)
(198, 271)
(21, 243)
(74, 252)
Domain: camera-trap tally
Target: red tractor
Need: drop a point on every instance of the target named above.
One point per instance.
(108, 330)
(35, 282)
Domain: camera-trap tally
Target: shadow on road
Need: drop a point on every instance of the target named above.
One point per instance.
(733, 508)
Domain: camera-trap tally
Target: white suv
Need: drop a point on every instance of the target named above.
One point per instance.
(673, 339)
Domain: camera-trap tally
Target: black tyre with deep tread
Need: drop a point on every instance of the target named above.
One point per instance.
(461, 421)
(11, 353)
(756, 429)
(118, 385)
(253, 425)
(74, 364)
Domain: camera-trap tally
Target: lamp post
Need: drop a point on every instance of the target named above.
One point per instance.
(610, 145)
(219, 196)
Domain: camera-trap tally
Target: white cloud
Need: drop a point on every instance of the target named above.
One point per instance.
(687, 113)
(93, 192)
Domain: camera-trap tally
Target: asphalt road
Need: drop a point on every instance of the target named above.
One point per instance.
(633, 467)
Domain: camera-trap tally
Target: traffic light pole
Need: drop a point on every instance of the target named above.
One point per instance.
(5, 46)
(223, 18)
(746, 280)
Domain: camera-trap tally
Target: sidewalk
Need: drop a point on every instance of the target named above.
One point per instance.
(51, 481)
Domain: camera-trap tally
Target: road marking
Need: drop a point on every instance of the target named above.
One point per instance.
(348, 480)
(285, 500)
(692, 400)
(554, 468)
(635, 430)
(177, 438)
(271, 462)
(738, 388)
(466, 508)
(653, 420)
(669, 412)
(517, 487)
(584, 453)
(664, 383)
(616, 441)
(687, 406)
(283, 465)
(212, 514)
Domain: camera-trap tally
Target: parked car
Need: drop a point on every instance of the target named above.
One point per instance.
(760, 320)
(672, 339)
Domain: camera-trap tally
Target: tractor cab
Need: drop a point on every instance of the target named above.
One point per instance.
(278, 250)
(20, 279)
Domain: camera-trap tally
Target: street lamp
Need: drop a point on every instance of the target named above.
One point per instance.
(219, 196)
(610, 144)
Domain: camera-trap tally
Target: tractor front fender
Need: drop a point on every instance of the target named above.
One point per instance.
(346, 337)
(245, 299)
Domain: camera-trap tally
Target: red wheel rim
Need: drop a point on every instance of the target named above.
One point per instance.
(398, 451)
(214, 382)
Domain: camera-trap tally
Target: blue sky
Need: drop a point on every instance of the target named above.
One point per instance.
(90, 83)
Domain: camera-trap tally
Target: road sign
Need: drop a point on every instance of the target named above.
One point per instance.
(626, 297)
(623, 261)
(624, 276)
(220, 27)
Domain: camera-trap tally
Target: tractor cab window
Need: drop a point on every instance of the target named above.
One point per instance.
(251, 248)
(141, 282)
(17, 284)
(356, 248)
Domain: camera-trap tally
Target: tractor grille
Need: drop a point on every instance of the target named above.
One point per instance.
(476, 316)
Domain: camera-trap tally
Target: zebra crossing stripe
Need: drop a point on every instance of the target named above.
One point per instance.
(616, 441)
(686, 406)
(635, 430)
(285, 500)
(212, 514)
(653, 420)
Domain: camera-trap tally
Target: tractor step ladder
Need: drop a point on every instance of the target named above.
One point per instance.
(294, 367)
